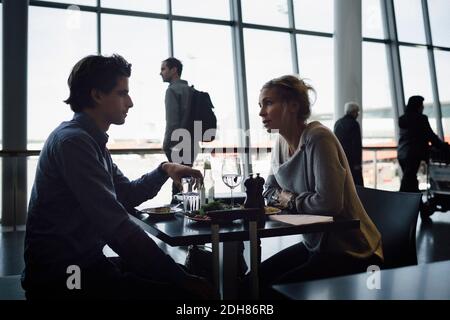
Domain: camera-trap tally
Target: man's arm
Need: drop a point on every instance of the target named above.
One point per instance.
(133, 193)
(92, 186)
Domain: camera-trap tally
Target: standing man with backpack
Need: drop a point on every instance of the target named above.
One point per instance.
(177, 103)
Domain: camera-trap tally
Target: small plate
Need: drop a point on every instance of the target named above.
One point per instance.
(271, 210)
(156, 212)
(198, 218)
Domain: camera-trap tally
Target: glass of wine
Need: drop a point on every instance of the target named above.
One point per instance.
(232, 173)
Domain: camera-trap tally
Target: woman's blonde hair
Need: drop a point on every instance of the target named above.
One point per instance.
(292, 88)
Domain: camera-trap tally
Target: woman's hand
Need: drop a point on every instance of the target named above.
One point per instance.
(284, 197)
(177, 171)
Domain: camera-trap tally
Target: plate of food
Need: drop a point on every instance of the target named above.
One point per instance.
(271, 210)
(161, 211)
(197, 217)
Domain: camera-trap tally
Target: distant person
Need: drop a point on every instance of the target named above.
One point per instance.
(413, 146)
(348, 131)
(177, 99)
(80, 202)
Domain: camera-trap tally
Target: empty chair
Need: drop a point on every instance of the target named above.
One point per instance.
(395, 216)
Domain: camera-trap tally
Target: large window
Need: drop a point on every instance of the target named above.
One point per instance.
(217, 9)
(207, 56)
(57, 39)
(416, 78)
(78, 2)
(442, 59)
(268, 12)
(261, 66)
(156, 6)
(146, 120)
(372, 20)
(440, 23)
(315, 55)
(378, 115)
(409, 17)
(314, 15)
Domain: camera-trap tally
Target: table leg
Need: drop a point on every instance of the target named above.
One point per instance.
(231, 252)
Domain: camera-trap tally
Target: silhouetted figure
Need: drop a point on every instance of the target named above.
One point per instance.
(413, 145)
(348, 132)
(80, 203)
(176, 103)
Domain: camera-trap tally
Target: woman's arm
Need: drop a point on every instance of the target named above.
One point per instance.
(327, 169)
(271, 187)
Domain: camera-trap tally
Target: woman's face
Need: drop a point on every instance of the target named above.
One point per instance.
(274, 112)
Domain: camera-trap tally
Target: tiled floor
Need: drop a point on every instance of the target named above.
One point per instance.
(433, 244)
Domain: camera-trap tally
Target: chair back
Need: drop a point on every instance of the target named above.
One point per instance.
(395, 216)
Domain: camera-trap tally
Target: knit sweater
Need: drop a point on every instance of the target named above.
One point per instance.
(319, 174)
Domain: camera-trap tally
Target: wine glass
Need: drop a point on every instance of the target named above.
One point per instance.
(232, 173)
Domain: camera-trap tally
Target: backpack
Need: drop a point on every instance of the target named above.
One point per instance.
(200, 108)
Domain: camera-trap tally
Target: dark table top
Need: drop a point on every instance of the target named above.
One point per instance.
(180, 231)
(421, 282)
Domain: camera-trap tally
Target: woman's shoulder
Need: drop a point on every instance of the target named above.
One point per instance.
(316, 131)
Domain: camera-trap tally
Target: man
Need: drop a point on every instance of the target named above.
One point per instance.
(413, 146)
(80, 200)
(176, 100)
(348, 132)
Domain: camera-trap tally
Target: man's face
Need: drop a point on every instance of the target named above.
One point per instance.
(113, 106)
(166, 73)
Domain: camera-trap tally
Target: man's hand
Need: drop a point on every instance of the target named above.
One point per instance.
(177, 171)
(199, 287)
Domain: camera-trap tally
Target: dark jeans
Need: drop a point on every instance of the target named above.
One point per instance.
(409, 181)
(297, 264)
(108, 279)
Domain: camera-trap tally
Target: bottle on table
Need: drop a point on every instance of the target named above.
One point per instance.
(208, 181)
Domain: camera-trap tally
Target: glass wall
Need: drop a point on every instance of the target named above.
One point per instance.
(378, 114)
(409, 18)
(156, 6)
(442, 59)
(146, 120)
(315, 55)
(314, 15)
(57, 39)
(269, 12)
(372, 19)
(439, 20)
(261, 66)
(417, 79)
(207, 56)
(139, 30)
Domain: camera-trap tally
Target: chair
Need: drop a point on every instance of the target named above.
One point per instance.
(395, 216)
(11, 289)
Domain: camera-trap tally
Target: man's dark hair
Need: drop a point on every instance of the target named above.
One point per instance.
(414, 103)
(94, 72)
(174, 63)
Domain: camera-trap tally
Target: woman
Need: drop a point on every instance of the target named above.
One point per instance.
(310, 175)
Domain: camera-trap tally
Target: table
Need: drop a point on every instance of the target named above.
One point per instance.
(179, 231)
(420, 282)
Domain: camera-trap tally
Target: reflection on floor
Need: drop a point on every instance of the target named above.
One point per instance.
(433, 244)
